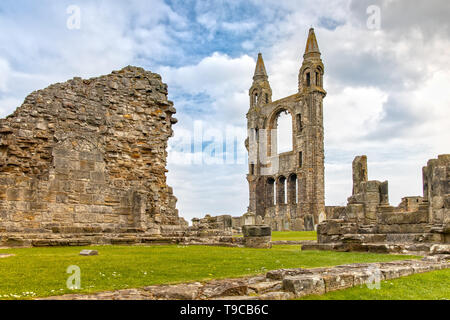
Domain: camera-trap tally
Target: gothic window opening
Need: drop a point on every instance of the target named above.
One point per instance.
(284, 132)
(267, 98)
(270, 192)
(255, 98)
(281, 191)
(317, 79)
(292, 189)
(300, 159)
(308, 79)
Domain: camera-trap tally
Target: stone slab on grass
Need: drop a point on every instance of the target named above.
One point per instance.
(89, 253)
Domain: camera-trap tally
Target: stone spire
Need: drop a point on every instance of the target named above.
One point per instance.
(260, 70)
(312, 70)
(260, 92)
(312, 47)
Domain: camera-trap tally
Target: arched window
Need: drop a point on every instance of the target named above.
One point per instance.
(292, 189)
(284, 132)
(319, 79)
(281, 190)
(270, 192)
(255, 98)
(308, 79)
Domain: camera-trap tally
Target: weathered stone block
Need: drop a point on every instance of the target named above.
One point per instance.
(256, 231)
(89, 253)
(340, 281)
(304, 285)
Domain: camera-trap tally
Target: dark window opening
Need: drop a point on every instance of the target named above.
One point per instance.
(308, 79)
(270, 192)
(300, 159)
(281, 196)
(317, 79)
(252, 169)
(299, 123)
(267, 98)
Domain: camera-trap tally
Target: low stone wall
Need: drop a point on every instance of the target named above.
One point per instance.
(280, 284)
(51, 240)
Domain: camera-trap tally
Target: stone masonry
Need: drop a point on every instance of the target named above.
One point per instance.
(369, 223)
(287, 189)
(89, 157)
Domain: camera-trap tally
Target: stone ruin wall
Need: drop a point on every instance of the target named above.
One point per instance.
(89, 156)
(368, 217)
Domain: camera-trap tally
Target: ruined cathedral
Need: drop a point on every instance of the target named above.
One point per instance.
(287, 188)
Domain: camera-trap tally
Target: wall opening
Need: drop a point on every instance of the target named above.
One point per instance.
(255, 98)
(284, 132)
(292, 189)
(281, 191)
(270, 192)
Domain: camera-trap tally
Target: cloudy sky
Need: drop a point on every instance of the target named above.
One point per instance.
(388, 87)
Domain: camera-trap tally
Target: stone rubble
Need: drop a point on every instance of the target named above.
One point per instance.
(369, 224)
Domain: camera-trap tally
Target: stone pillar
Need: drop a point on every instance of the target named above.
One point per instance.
(436, 191)
(258, 236)
(359, 167)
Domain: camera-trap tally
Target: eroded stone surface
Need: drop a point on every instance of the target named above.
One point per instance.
(88, 157)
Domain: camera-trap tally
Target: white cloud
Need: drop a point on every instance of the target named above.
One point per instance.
(217, 75)
(351, 113)
(4, 75)
(8, 105)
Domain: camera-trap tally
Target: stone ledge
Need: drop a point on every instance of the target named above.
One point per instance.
(64, 240)
(401, 248)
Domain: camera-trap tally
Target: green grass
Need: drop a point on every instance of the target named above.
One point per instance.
(425, 286)
(39, 272)
(294, 235)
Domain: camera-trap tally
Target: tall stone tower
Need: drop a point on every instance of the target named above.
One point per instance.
(287, 188)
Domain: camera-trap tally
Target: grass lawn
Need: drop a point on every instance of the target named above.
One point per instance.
(39, 272)
(292, 235)
(425, 286)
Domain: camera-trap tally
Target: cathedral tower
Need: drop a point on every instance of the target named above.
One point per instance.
(287, 187)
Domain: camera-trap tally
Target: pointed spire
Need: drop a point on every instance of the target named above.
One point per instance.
(312, 48)
(260, 70)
